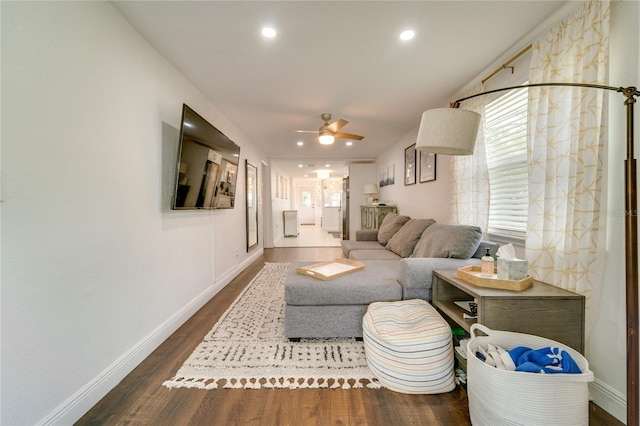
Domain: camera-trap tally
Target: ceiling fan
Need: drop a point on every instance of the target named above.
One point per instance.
(328, 132)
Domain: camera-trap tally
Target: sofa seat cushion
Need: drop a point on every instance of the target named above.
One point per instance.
(391, 224)
(446, 240)
(378, 281)
(373, 255)
(348, 245)
(405, 240)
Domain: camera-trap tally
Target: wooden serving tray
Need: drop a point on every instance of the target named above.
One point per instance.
(472, 275)
(331, 269)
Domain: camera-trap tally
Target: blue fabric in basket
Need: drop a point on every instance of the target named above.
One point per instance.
(548, 360)
(544, 360)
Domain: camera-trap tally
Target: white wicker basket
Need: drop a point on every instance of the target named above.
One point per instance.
(501, 397)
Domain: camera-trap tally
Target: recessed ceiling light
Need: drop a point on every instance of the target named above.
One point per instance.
(268, 32)
(327, 165)
(300, 165)
(407, 35)
(300, 143)
(349, 143)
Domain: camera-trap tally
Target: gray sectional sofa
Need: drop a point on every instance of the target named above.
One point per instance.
(400, 257)
(420, 246)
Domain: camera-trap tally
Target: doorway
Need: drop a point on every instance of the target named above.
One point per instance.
(307, 206)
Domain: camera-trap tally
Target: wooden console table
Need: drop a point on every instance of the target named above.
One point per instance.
(542, 310)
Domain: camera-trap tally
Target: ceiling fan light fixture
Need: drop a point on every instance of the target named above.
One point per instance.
(326, 139)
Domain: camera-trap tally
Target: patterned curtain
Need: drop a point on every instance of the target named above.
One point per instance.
(567, 140)
(469, 202)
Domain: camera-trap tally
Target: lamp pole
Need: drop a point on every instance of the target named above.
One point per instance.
(631, 236)
(631, 262)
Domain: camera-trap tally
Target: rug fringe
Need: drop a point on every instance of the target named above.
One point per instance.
(273, 383)
(374, 385)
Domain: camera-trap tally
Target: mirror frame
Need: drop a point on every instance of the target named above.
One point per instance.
(251, 186)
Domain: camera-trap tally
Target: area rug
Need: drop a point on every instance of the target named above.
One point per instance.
(247, 348)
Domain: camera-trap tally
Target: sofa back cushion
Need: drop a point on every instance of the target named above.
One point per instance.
(446, 240)
(391, 224)
(405, 240)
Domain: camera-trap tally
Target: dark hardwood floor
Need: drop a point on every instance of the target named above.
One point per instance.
(141, 399)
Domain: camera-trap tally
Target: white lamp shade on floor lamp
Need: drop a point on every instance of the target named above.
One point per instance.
(450, 131)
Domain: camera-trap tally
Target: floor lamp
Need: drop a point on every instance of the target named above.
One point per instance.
(453, 131)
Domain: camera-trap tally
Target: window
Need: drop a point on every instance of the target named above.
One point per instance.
(505, 132)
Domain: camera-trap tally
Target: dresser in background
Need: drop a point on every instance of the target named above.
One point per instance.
(372, 216)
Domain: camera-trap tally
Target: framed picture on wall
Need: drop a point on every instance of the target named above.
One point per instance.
(410, 165)
(387, 176)
(427, 166)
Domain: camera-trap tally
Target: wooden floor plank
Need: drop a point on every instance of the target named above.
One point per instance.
(140, 398)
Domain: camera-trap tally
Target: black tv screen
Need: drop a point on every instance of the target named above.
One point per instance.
(207, 167)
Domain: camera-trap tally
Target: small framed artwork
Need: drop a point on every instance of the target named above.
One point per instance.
(387, 176)
(427, 166)
(410, 165)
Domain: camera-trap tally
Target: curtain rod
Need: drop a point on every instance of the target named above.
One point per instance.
(506, 64)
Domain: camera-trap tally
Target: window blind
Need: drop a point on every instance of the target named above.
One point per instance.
(505, 130)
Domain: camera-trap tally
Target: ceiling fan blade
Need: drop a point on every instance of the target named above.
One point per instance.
(306, 131)
(337, 125)
(348, 136)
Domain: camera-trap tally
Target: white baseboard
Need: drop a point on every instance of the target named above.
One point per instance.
(609, 399)
(90, 394)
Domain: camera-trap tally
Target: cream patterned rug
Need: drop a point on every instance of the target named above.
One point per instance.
(247, 348)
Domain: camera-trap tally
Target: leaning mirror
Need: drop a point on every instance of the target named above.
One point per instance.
(252, 205)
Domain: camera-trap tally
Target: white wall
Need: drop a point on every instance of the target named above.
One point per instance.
(428, 200)
(97, 270)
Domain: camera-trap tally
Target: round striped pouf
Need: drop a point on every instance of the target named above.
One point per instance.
(409, 347)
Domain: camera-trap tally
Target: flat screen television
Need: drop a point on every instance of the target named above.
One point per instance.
(207, 167)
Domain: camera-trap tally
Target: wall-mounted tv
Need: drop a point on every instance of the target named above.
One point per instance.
(207, 167)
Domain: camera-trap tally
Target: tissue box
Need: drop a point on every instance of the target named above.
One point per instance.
(512, 269)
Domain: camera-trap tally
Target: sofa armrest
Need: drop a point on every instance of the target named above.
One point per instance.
(367, 235)
(415, 274)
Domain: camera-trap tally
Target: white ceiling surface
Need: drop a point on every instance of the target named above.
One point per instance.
(341, 57)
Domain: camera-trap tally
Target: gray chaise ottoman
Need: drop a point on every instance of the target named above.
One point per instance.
(334, 308)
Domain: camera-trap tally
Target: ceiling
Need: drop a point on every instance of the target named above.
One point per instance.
(340, 57)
